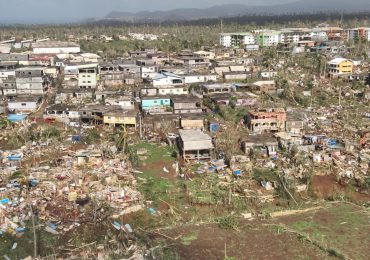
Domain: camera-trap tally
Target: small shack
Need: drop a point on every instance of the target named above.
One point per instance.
(195, 145)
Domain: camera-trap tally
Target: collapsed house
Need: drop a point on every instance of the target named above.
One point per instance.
(260, 144)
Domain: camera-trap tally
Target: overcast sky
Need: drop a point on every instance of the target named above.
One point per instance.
(41, 11)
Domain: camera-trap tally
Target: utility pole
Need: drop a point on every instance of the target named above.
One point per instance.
(34, 233)
(340, 95)
(140, 126)
(311, 101)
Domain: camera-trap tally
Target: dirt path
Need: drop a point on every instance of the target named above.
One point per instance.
(293, 212)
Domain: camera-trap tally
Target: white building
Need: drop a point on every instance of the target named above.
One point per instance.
(24, 104)
(173, 90)
(248, 39)
(294, 35)
(4, 74)
(124, 102)
(55, 47)
(30, 80)
(31, 86)
(225, 40)
(5, 48)
(190, 79)
(87, 76)
(168, 79)
(62, 113)
(319, 34)
(268, 74)
(237, 39)
(70, 72)
(148, 71)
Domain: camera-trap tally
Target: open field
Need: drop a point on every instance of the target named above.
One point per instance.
(326, 231)
(336, 231)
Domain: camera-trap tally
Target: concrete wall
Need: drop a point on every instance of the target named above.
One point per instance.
(56, 50)
(22, 106)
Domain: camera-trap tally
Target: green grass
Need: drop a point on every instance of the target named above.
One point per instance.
(155, 186)
(155, 152)
(155, 189)
(316, 232)
(187, 239)
(45, 242)
(341, 227)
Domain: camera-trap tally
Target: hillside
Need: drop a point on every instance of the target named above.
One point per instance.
(232, 10)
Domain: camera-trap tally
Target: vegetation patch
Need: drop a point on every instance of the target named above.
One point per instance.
(187, 239)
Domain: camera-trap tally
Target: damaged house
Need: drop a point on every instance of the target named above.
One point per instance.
(63, 113)
(75, 94)
(30, 80)
(195, 145)
(8, 87)
(260, 144)
(192, 122)
(24, 104)
(210, 89)
(121, 117)
(186, 104)
(262, 120)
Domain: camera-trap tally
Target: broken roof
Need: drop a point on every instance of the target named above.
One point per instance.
(260, 139)
(185, 99)
(269, 110)
(221, 85)
(28, 98)
(121, 113)
(61, 107)
(338, 60)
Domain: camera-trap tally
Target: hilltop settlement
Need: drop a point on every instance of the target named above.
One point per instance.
(259, 120)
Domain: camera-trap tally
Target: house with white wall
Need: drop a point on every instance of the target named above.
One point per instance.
(199, 78)
(55, 47)
(165, 78)
(87, 75)
(24, 104)
(225, 40)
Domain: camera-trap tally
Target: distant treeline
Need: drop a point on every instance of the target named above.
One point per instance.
(257, 19)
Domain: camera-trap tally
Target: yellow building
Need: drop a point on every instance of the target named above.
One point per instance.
(126, 118)
(340, 66)
(51, 71)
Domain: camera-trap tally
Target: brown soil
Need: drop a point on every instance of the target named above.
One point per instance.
(250, 243)
(157, 169)
(340, 226)
(327, 187)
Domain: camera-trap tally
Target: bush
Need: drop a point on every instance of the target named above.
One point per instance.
(133, 157)
(92, 136)
(16, 175)
(264, 175)
(228, 222)
(50, 132)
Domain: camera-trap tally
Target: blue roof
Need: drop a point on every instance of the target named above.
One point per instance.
(16, 117)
